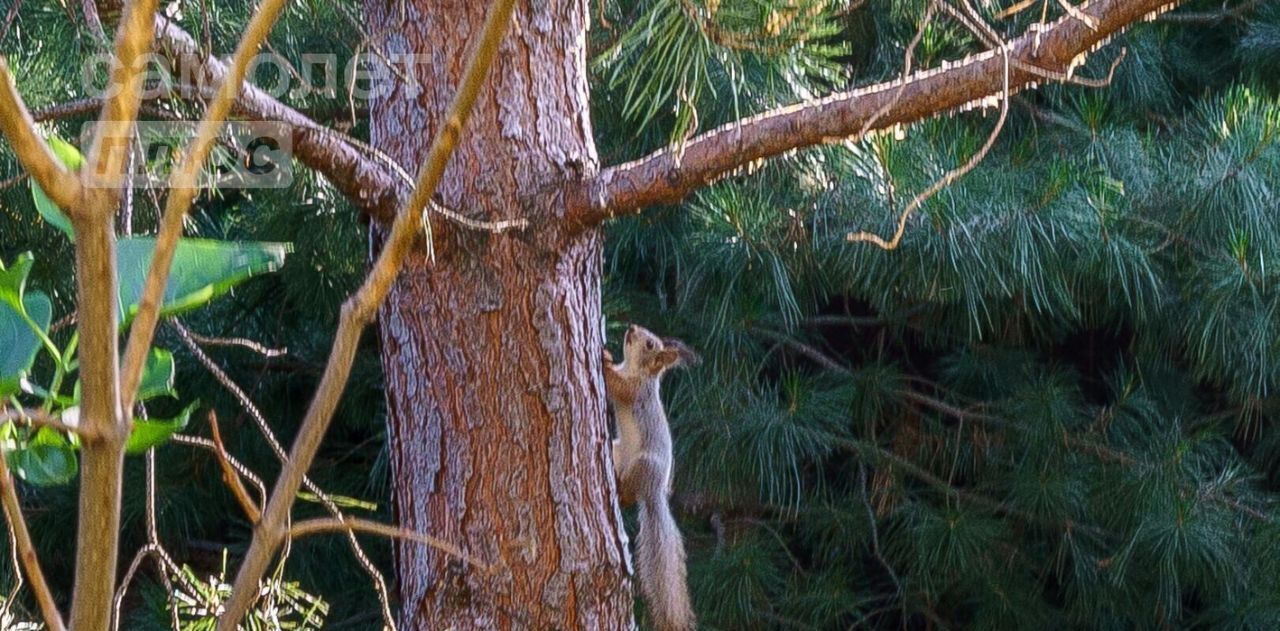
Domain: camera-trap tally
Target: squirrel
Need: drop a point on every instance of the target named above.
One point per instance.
(643, 462)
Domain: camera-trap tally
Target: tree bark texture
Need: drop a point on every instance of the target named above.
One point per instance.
(492, 354)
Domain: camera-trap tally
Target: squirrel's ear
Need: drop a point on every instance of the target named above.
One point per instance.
(685, 354)
(665, 359)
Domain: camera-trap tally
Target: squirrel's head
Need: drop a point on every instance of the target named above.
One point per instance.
(653, 354)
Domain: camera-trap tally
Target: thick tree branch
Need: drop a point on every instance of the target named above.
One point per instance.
(15, 121)
(374, 187)
(668, 175)
(358, 311)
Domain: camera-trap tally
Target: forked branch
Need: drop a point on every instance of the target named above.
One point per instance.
(357, 312)
(667, 176)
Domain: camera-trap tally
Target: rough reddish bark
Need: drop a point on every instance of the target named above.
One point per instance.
(493, 354)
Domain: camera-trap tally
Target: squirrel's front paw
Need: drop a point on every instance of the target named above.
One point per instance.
(608, 357)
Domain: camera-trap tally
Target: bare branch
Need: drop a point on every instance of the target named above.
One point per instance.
(182, 191)
(229, 474)
(26, 551)
(357, 312)
(59, 184)
(237, 341)
(371, 185)
(240, 468)
(36, 418)
(665, 177)
(379, 583)
(349, 524)
(369, 178)
(950, 176)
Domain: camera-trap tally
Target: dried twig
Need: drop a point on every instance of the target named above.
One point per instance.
(237, 341)
(229, 474)
(240, 468)
(357, 312)
(949, 177)
(379, 583)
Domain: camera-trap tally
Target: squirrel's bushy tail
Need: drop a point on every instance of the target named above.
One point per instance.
(660, 565)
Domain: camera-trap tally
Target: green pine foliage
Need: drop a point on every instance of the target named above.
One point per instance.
(1052, 405)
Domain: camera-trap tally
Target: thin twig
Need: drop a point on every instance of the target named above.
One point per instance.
(246, 403)
(949, 177)
(36, 418)
(8, 19)
(240, 468)
(238, 341)
(354, 524)
(229, 474)
(26, 550)
(907, 59)
(1211, 17)
(357, 312)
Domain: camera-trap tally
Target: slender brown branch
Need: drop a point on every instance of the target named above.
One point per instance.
(182, 192)
(357, 312)
(667, 176)
(238, 341)
(370, 184)
(102, 414)
(26, 551)
(15, 121)
(952, 175)
(36, 418)
(240, 468)
(352, 524)
(229, 474)
(104, 163)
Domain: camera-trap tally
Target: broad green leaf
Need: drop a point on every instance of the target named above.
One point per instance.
(149, 433)
(202, 270)
(23, 320)
(47, 460)
(72, 158)
(157, 376)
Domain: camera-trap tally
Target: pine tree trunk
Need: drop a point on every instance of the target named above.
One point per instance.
(492, 355)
